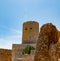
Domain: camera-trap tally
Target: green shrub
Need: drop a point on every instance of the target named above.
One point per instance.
(27, 49)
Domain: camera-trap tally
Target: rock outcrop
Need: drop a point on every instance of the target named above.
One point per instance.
(48, 37)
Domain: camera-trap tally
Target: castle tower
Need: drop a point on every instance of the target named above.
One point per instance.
(30, 32)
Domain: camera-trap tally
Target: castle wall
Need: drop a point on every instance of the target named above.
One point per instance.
(29, 37)
(5, 55)
(17, 50)
(27, 57)
(59, 36)
(30, 32)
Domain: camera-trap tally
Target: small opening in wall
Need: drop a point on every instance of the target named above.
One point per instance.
(25, 28)
(31, 28)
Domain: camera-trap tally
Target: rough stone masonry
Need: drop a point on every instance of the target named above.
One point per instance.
(46, 43)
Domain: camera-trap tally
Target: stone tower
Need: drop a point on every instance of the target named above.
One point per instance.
(30, 32)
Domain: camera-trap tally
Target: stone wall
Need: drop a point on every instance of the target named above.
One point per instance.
(59, 35)
(5, 55)
(30, 32)
(17, 50)
(27, 57)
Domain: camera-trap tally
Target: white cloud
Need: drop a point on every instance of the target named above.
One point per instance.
(7, 42)
(15, 38)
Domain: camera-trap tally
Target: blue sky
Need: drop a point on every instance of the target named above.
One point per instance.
(14, 12)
